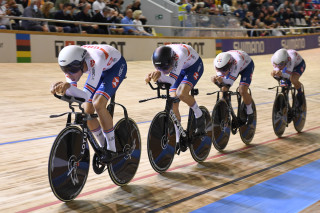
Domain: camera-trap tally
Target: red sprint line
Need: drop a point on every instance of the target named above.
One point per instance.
(155, 173)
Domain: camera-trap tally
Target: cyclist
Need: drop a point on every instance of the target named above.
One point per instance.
(228, 66)
(290, 65)
(106, 69)
(181, 66)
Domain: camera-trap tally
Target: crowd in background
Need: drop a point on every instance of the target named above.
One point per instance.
(253, 14)
(100, 11)
(258, 14)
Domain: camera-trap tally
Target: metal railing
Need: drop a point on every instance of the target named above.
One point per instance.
(186, 31)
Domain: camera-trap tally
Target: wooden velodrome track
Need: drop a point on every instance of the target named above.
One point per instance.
(27, 133)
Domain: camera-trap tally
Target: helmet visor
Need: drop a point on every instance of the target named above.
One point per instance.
(225, 68)
(163, 67)
(73, 67)
(281, 64)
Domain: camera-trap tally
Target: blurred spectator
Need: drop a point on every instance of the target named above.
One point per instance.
(275, 31)
(137, 14)
(136, 5)
(226, 7)
(284, 5)
(4, 22)
(247, 22)
(80, 4)
(65, 14)
(297, 9)
(48, 11)
(283, 18)
(85, 15)
(33, 11)
(116, 19)
(271, 11)
(129, 30)
(239, 12)
(184, 8)
(13, 10)
(269, 3)
(75, 2)
(59, 4)
(98, 5)
(101, 17)
(255, 7)
(114, 4)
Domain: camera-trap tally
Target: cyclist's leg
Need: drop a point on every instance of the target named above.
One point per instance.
(94, 124)
(112, 80)
(193, 74)
(294, 78)
(246, 77)
(175, 106)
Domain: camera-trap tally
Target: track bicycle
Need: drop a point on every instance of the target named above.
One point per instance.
(225, 120)
(283, 112)
(162, 144)
(69, 158)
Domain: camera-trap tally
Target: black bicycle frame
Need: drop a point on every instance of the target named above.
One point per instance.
(285, 91)
(168, 108)
(81, 119)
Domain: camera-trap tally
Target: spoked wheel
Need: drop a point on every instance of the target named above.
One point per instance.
(161, 142)
(200, 146)
(68, 165)
(128, 143)
(247, 131)
(221, 125)
(300, 115)
(279, 115)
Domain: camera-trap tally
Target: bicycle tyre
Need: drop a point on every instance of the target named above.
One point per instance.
(123, 169)
(200, 147)
(300, 115)
(279, 115)
(66, 181)
(247, 131)
(161, 148)
(221, 125)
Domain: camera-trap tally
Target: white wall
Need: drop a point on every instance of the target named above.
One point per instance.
(45, 48)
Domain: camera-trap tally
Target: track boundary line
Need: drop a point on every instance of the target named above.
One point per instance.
(172, 169)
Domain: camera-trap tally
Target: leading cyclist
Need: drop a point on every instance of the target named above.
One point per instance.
(106, 69)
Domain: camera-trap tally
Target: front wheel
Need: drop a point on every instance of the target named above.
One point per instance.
(221, 125)
(279, 115)
(128, 144)
(161, 142)
(68, 165)
(200, 147)
(300, 115)
(247, 131)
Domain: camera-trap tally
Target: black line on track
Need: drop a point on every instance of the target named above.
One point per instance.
(230, 182)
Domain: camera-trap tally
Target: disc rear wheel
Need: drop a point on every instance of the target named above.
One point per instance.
(247, 131)
(200, 146)
(128, 144)
(300, 115)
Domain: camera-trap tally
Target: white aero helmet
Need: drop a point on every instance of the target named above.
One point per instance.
(71, 58)
(280, 57)
(223, 62)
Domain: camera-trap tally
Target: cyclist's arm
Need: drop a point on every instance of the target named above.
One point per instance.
(226, 79)
(167, 78)
(73, 83)
(74, 91)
